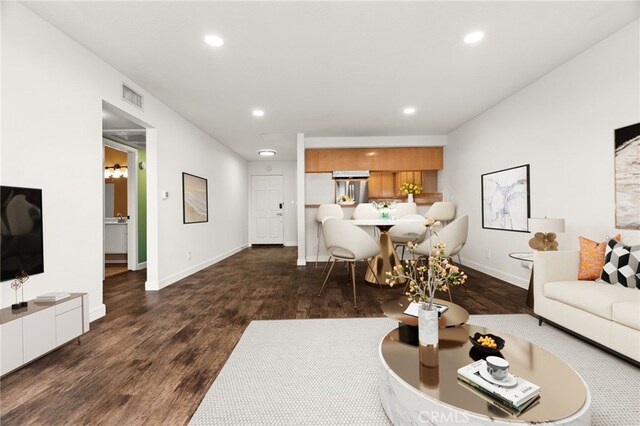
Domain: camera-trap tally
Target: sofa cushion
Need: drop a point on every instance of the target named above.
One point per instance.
(627, 313)
(590, 296)
(622, 264)
(592, 258)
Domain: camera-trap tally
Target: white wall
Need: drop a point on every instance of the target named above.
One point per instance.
(52, 93)
(288, 171)
(562, 125)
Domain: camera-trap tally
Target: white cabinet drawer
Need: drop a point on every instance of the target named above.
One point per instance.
(11, 350)
(68, 326)
(69, 305)
(39, 333)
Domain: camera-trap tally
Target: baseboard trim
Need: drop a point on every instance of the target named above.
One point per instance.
(301, 262)
(291, 244)
(321, 258)
(116, 261)
(496, 273)
(97, 312)
(141, 265)
(158, 285)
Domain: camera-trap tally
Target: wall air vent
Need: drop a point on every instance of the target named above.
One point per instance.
(133, 97)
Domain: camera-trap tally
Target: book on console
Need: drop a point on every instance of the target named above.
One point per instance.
(413, 307)
(518, 397)
(52, 297)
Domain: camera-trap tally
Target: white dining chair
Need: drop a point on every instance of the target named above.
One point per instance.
(454, 235)
(403, 209)
(347, 242)
(365, 211)
(411, 229)
(443, 211)
(325, 211)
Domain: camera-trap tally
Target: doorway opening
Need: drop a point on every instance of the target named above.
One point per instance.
(125, 194)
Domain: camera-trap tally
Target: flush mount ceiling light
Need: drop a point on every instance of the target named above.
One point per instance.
(473, 37)
(409, 110)
(258, 113)
(267, 152)
(214, 40)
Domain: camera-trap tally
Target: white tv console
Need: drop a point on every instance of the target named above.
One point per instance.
(31, 332)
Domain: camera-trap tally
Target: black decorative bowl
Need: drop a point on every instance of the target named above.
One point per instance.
(499, 342)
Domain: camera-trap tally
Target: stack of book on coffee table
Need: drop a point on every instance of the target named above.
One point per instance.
(514, 394)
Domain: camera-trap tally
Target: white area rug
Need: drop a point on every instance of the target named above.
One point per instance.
(325, 372)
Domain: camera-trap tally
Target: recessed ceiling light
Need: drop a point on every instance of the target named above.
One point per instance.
(473, 37)
(214, 40)
(409, 111)
(267, 152)
(258, 113)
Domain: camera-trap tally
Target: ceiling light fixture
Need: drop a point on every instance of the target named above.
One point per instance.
(409, 111)
(214, 40)
(267, 152)
(117, 171)
(473, 37)
(258, 113)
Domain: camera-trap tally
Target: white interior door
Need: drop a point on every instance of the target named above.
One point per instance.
(266, 210)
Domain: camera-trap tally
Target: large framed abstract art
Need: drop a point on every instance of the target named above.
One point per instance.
(505, 199)
(627, 172)
(194, 199)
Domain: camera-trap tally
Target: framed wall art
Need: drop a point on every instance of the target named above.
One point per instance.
(627, 176)
(505, 199)
(195, 201)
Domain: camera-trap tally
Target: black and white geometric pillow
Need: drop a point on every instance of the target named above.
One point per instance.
(621, 264)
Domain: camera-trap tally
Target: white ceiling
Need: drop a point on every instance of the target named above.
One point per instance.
(333, 68)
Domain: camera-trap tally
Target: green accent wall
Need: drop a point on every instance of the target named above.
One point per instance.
(142, 208)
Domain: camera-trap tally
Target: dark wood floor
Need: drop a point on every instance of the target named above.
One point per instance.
(111, 269)
(154, 356)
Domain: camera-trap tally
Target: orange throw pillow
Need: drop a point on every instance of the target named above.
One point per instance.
(592, 258)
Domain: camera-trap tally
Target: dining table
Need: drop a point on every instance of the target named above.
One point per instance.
(384, 261)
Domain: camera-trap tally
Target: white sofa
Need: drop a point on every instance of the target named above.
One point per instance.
(604, 313)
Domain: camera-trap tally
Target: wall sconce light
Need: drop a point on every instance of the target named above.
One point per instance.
(116, 171)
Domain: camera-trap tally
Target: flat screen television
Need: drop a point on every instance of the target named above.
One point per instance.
(22, 249)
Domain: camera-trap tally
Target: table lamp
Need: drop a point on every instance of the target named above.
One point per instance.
(544, 230)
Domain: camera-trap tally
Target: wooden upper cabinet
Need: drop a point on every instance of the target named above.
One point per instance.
(373, 159)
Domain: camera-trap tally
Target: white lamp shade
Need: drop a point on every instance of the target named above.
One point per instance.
(546, 225)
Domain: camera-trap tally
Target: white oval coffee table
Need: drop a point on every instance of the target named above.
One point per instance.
(412, 394)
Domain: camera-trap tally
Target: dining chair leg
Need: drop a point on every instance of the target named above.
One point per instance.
(327, 277)
(318, 244)
(353, 280)
(326, 264)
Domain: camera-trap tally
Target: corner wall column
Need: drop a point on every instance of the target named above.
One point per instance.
(300, 174)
